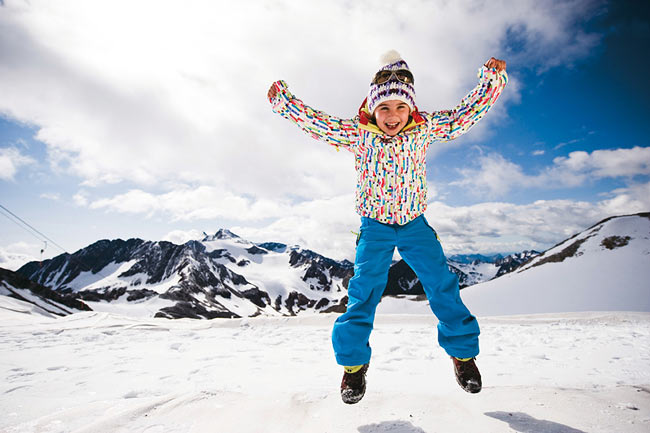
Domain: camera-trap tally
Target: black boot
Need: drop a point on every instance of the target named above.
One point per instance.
(353, 385)
(467, 375)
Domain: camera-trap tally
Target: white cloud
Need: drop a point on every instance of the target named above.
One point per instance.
(501, 227)
(497, 176)
(54, 196)
(149, 105)
(14, 256)
(181, 116)
(327, 226)
(180, 237)
(634, 198)
(324, 225)
(538, 152)
(80, 198)
(607, 163)
(11, 159)
(192, 203)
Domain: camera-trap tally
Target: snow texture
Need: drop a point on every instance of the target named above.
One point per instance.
(101, 372)
(581, 274)
(550, 362)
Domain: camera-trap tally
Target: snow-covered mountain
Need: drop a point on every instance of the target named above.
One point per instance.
(485, 268)
(470, 268)
(554, 372)
(44, 301)
(603, 268)
(220, 276)
(224, 275)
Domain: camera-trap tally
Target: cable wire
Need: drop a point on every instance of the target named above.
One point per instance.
(45, 238)
(32, 228)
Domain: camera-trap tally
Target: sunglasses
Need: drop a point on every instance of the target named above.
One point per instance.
(402, 75)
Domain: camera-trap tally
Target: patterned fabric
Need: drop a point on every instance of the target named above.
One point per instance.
(392, 89)
(391, 171)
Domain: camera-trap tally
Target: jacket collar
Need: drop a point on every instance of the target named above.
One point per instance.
(365, 119)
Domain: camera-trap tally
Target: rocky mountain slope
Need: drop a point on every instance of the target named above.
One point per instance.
(45, 301)
(470, 269)
(225, 276)
(220, 276)
(605, 267)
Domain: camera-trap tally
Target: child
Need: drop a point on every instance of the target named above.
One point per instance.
(389, 139)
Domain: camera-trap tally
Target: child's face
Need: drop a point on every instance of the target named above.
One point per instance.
(392, 116)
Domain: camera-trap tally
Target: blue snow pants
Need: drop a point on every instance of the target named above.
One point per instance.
(418, 244)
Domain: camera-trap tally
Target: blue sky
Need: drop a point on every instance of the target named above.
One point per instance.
(113, 126)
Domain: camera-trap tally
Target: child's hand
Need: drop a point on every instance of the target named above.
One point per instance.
(499, 65)
(272, 92)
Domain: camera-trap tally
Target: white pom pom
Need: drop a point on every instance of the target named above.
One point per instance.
(391, 56)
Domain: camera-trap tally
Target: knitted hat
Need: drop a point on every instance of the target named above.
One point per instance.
(393, 88)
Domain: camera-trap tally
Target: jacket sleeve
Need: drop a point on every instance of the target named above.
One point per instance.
(449, 124)
(321, 126)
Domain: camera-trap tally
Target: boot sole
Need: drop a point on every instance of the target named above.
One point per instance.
(352, 400)
(471, 388)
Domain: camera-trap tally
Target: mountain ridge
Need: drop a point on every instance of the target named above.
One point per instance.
(605, 267)
(226, 276)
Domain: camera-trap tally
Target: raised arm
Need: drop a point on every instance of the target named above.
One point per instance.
(321, 126)
(450, 124)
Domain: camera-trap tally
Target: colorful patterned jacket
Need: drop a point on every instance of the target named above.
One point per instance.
(391, 171)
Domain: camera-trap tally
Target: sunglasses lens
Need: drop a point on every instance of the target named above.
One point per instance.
(382, 76)
(404, 76)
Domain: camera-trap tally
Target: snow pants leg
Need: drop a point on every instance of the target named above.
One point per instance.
(418, 245)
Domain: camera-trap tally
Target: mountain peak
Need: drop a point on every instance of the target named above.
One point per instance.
(221, 234)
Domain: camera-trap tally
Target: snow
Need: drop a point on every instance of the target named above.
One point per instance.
(101, 372)
(565, 348)
(25, 308)
(142, 308)
(595, 278)
(110, 277)
(54, 279)
(478, 271)
(241, 306)
(403, 304)
(42, 306)
(270, 272)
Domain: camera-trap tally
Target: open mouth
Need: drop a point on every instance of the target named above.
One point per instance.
(392, 125)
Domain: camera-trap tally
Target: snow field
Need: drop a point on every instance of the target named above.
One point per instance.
(38, 304)
(99, 372)
(593, 279)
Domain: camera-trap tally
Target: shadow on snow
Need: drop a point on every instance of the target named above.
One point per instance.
(391, 426)
(524, 423)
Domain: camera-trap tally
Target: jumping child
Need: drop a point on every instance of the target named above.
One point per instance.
(389, 138)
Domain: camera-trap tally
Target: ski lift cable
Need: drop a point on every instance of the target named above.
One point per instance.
(32, 228)
(44, 238)
(23, 227)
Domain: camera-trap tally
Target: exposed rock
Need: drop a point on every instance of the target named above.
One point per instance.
(567, 252)
(274, 246)
(613, 242)
(256, 250)
(12, 282)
